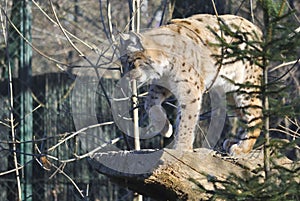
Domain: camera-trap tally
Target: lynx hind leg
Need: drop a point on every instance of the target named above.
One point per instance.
(250, 106)
(158, 119)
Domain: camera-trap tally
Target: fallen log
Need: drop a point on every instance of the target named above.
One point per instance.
(174, 175)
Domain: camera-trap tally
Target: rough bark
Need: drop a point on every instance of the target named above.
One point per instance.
(174, 175)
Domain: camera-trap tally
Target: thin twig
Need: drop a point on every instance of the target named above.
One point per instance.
(5, 124)
(132, 13)
(287, 72)
(60, 170)
(166, 2)
(292, 133)
(136, 4)
(103, 21)
(3, 26)
(79, 157)
(138, 15)
(215, 8)
(55, 23)
(90, 153)
(64, 31)
(113, 40)
(12, 127)
(12, 170)
(29, 43)
(251, 11)
(135, 19)
(284, 65)
(284, 131)
(79, 52)
(79, 131)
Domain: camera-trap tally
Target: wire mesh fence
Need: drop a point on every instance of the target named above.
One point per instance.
(43, 100)
(46, 176)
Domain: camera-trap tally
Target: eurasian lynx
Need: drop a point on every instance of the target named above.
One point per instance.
(182, 54)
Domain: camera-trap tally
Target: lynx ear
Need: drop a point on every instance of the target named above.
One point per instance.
(131, 42)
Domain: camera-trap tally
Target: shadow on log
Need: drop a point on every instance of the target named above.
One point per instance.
(174, 175)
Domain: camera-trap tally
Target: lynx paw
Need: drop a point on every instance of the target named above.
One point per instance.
(159, 122)
(167, 130)
(233, 147)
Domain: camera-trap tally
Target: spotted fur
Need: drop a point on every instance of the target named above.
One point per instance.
(181, 54)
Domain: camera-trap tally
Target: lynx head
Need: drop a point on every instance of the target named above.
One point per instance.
(142, 57)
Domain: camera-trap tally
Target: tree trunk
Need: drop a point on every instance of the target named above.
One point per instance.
(174, 175)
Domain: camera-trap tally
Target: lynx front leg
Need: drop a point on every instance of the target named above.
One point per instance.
(189, 100)
(158, 120)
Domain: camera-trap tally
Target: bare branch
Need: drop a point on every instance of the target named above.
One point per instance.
(60, 170)
(12, 126)
(92, 47)
(11, 171)
(290, 63)
(29, 43)
(79, 131)
(64, 31)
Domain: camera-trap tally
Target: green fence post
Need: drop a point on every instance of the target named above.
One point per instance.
(26, 117)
